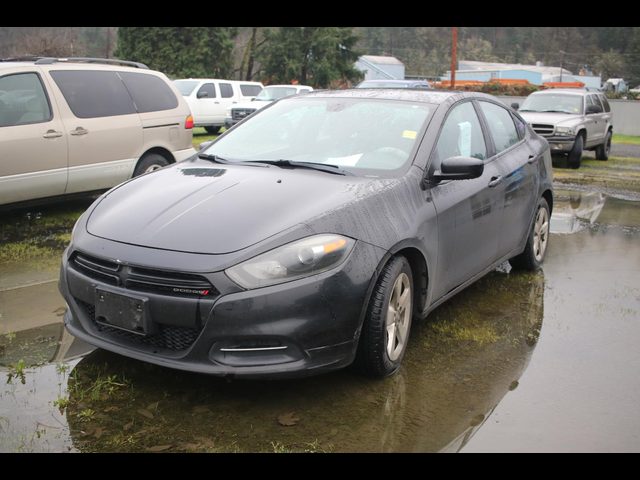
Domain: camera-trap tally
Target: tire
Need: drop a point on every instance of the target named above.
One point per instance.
(213, 130)
(150, 163)
(603, 152)
(383, 344)
(538, 243)
(575, 157)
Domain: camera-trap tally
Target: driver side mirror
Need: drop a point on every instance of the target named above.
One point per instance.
(594, 109)
(203, 94)
(460, 168)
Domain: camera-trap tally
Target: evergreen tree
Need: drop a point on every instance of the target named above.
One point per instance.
(315, 56)
(180, 51)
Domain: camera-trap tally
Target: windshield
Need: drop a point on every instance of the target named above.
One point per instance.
(185, 87)
(271, 94)
(362, 136)
(571, 104)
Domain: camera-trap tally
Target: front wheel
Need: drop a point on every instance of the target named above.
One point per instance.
(538, 243)
(387, 325)
(213, 130)
(575, 156)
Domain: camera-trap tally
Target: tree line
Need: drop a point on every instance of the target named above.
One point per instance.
(324, 56)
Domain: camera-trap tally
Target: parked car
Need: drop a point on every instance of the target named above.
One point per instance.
(269, 95)
(85, 125)
(311, 235)
(209, 100)
(423, 84)
(572, 121)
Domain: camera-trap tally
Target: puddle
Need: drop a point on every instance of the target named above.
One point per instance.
(522, 362)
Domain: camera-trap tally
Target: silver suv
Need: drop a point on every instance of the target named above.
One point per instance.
(72, 126)
(572, 121)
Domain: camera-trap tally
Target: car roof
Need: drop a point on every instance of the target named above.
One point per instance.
(421, 96)
(396, 82)
(201, 80)
(565, 91)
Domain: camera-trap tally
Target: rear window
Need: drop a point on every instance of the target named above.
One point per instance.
(250, 90)
(149, 93)
(185, 87)
(94, 94)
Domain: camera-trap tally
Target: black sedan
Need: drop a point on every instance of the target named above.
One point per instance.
(311, 235)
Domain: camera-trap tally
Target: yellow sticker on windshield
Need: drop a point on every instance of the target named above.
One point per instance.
(410, 134)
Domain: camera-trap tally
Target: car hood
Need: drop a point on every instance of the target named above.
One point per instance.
(257, 105)
(556, 119)
(200, 207)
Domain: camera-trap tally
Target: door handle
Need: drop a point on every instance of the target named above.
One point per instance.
(79, 132)
(495, 181)
(52, 134)
(532, 159)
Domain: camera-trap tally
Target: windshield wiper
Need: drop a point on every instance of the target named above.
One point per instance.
(321, 167)
(557, 111)
(224, 161)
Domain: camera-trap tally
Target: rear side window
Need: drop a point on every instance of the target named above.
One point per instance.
(94, 94)
(149, 93)
(250, 90)
(226, 90)
(605, 102)
(501, 126)
(23, 100)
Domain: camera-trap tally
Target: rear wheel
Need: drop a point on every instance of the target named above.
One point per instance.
(150, 163)
(213, 130)
(387, 325)
(603, 152)
(575, 156)
(538, 243)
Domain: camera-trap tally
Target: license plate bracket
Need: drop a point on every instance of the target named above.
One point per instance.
(124, 312)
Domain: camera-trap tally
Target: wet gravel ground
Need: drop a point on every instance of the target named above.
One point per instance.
(544, 362)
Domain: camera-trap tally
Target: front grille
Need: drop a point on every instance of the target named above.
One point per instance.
(170, 338)
(544, 130)
(142, 279)
(241, 114)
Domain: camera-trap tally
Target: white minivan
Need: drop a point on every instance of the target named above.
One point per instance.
(209, 100)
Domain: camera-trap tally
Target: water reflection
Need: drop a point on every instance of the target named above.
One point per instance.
(574, 211)
(461, 363)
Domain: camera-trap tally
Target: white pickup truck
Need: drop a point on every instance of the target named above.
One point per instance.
(237, 113)
(209, 100)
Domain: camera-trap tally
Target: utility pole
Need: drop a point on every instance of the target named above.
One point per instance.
(454, 58)
(72, 38)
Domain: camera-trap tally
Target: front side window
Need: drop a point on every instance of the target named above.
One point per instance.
(501, 126)
(94, 94)
(23, 100)
(366, 137)
(461, 136)
(207, 91)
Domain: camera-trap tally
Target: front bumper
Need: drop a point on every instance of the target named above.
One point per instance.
(230, 122)
(561, 144)
(298, 329)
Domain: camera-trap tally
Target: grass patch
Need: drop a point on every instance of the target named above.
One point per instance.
(200, 135)
(618, 173)
(626, 140)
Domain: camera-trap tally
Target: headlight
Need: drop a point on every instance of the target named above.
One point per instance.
(564, 131)
(228, 113)
(297, 260)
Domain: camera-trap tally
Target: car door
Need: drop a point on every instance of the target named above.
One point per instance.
(600, 128)
(105, 131)
(516, 164)
(228, 99)
(591, 123)
(33, 140)
(469, 211)
(207, 105)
